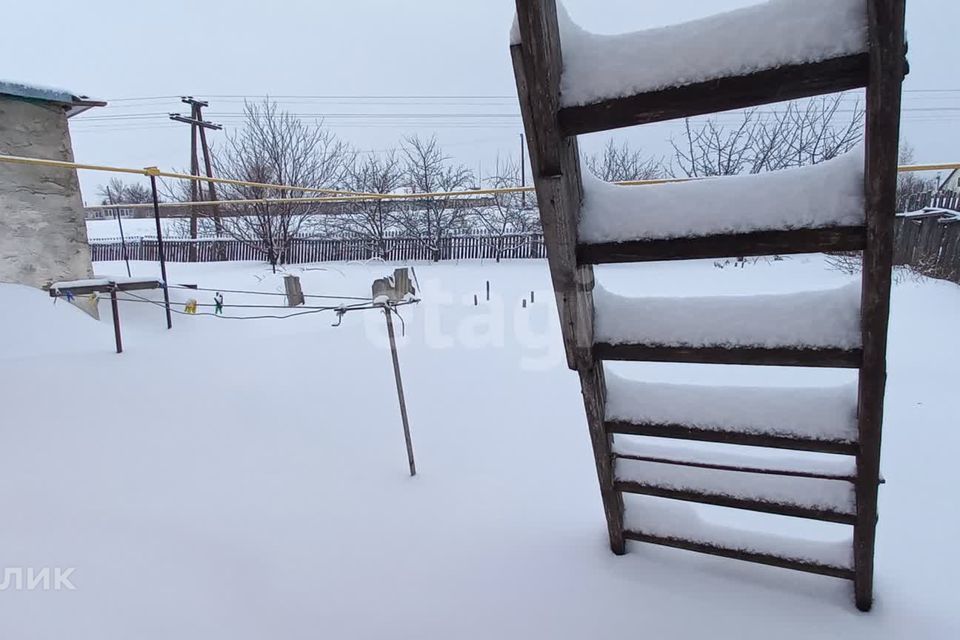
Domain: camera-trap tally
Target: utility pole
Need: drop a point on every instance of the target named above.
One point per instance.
(523, 176)
(198, 128)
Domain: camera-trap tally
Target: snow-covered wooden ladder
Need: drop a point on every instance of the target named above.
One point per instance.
(552, 125)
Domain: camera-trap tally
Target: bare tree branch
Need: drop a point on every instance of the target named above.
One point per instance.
(428, 170)
(616, 164)
(274, 146)
(792, 135)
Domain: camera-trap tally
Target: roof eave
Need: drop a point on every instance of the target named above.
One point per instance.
(79, 106)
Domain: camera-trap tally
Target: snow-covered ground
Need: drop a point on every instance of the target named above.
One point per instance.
(247, 478)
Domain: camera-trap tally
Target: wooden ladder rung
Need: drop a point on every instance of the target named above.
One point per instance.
(741, 554)
(757, 243)
(776, 356)
(767, 440)
(771, 471)
(734, 502)
(721, 94)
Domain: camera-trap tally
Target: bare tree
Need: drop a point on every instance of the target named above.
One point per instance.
(274, 146)
(912, 187)
(428, 170)
(793, 135)
(116, 191)
(618, 164)
(508, 214)
(371, 220)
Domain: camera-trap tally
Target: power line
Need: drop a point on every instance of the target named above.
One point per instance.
(393, 96)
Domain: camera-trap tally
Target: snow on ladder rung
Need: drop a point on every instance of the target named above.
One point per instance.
(676, 525)
(822, 196)
(813, 498)
(771, 52)
(826, 467)
(827, 414)
(795, 324)
(749, 244)
(731, 437)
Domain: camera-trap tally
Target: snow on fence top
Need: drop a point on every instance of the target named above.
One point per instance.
(823, 195)
(822, 413)
(817, 319)
(766, 36)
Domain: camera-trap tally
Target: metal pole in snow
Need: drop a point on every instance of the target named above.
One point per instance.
(387, 311)
(116, 318)
(160, 253)
(123, 242)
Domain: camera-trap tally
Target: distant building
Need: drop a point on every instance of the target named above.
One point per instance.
(43, 235)
(101, 213)
(952, 181)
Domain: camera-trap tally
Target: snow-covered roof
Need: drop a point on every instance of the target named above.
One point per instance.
(74, 103)
(951, 177)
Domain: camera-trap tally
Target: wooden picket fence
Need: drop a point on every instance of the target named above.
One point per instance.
(930, 244)
(301, 250)
(935, 200)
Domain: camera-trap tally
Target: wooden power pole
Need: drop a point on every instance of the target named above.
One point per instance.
(198, 129)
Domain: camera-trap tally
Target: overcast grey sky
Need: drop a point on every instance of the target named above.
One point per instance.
(223, 50)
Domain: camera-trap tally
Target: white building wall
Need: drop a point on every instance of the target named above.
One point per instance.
(43, 236)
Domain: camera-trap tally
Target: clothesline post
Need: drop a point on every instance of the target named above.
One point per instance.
(116, 318)
(160, 252)
(388, 312)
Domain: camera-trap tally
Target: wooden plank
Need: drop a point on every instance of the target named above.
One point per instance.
(766, 471)
(593, 387)
(721, 94)
(681, 432)
(758, 243)
(783, 357)
(106, 288)
(740, 554)
(559, 196)
(540, 69)
(139, 286)
(733, 502)
(555, 163)
(559, 234)
(887, 69)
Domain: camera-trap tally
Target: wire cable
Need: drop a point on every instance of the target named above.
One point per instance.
(340, 309)
(264, 293)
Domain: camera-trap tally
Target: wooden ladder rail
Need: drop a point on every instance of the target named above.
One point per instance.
(888, 66)
(555, 163)
(556, 170)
